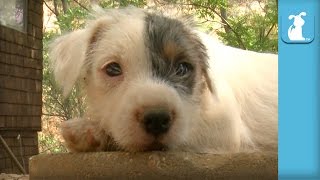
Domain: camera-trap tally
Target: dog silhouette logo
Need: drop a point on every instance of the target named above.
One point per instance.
(297, 27)
(295, 30)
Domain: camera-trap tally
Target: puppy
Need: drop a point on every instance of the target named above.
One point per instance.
(156, 83)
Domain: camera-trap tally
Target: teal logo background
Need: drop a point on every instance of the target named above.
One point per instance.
(299, 94)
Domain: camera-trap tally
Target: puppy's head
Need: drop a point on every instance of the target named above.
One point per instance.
(144, 76)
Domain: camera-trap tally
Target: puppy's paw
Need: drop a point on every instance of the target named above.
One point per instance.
(82, 135)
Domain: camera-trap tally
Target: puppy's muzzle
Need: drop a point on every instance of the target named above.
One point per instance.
(157, 121)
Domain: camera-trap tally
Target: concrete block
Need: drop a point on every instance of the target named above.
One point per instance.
(154, 165)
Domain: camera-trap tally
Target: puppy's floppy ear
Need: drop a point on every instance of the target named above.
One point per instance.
(208, 43)
(208, 81)
(67, 54)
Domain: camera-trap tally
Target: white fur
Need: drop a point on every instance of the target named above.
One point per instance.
(249, 82)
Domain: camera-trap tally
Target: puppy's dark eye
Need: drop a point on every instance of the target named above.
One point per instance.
(183, 69)
(113, 69)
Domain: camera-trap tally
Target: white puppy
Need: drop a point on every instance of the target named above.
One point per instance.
(156, 83)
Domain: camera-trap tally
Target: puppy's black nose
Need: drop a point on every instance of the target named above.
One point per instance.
(157, 122)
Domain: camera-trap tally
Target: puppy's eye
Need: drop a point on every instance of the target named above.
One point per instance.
(183, 69)
(113, 69)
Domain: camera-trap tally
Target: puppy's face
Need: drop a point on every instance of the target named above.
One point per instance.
(144, 76)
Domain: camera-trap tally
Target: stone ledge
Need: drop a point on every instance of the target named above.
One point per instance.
(154, 165)
(4, 176)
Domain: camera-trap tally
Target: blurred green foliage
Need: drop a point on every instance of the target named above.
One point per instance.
(257, 31)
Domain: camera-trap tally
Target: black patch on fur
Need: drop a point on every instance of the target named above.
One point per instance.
(161, 31)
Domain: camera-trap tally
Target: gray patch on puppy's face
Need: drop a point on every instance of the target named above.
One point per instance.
(170, 45)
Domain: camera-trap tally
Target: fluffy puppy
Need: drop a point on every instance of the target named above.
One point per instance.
(153, 82)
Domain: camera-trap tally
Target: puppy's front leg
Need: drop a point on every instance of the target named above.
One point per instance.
(83, 135)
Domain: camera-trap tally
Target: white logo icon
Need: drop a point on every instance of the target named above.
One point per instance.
(295, 30)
